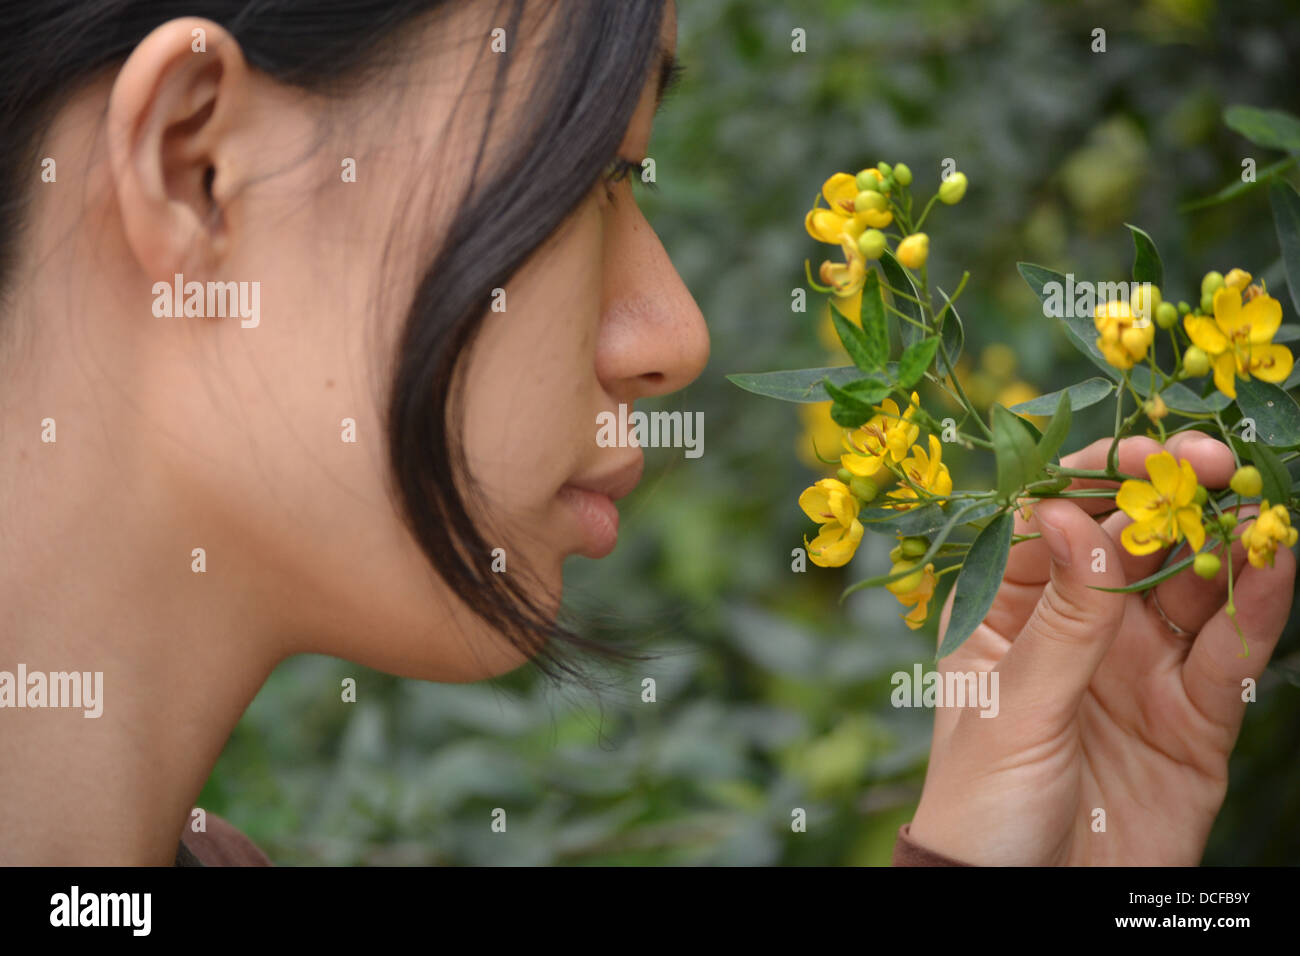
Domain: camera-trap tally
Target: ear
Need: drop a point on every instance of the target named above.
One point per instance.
(172, 114)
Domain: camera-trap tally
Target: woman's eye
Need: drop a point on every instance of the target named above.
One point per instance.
(621, 169)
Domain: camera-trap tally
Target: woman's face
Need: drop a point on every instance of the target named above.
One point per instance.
(236, 437)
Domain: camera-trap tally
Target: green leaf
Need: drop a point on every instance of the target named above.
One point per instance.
(924, 519)
(1016, 453)
(1275, 413)
(852, 408)
(868, 390)
(1057, 430)
(874, 328)
(1286, 219)
(954, 333)
(1147, 266)
(1239, 188)
(1272, 128)
(1178, 397)
(978, 582)
(1086, 393)
(1081, 332)
(1286, 333)
(853, 403)
(798, 385)
(1277, 480)
(896, 277)
(916, 358)
(854, 341)
(1151, 581)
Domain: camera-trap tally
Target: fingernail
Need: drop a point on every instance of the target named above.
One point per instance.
(1056, 542)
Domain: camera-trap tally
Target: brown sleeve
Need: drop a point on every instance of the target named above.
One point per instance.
(909, 853)
(223, 845)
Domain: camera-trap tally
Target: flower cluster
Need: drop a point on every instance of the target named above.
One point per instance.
(882, 449)
(891, 477)
(1230, 332)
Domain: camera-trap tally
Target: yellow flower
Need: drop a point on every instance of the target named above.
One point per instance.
(1271, 528)
(927, 472)
(914, 591)
(830, 503)
(886, 436)
(1163, 509)
(828, 225)
(846, 278)
(1239, 338)
(1123, 343)
(820, 433)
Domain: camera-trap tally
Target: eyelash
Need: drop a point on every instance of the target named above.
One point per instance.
(619, 170)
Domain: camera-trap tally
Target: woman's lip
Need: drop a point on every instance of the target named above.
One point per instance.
(597, 517)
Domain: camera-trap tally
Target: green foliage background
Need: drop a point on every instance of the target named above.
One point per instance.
(771, 695)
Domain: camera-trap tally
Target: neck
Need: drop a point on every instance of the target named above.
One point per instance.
(96, 576)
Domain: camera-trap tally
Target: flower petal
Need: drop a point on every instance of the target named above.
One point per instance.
(1189, 520)
(1138, 538)
(1205, 334)
(1264, 314)
(1272, 363)
(816, 504)
(1139, 500)
(1227, 310)
(1225, 374)
(824, 225)
(1164, 472)
(838, 188)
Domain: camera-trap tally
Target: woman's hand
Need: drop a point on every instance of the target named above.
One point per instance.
(1102, 704)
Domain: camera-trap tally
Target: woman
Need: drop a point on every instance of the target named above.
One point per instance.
(309, 316)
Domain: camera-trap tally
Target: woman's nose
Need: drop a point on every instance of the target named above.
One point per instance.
(653, 339)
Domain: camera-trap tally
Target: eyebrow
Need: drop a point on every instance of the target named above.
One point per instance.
(670, 74)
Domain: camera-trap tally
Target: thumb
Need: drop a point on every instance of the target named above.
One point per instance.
(1054, 657)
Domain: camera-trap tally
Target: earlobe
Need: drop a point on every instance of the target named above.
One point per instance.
(171, 113)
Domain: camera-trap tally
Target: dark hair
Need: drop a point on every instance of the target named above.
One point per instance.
(603, 51)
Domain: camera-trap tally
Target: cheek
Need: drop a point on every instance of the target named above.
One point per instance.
(531, 388)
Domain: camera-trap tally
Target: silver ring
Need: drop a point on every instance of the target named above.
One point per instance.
(1155, 601)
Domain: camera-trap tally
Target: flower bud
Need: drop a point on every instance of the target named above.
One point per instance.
(1201, 496)
(1196, 361)
(952, 189)
(1184, 308)
(1247, 482)
(909, 583)
(1207, 565)
(869, 201)
(1237, 279)
(1207, 303)
(1155, 408)
(1211, 283)
(915, 547)
(868, 180)
(1135, 340)
(885, 169)
(864, 489)
(1145, 300)
(1228, 521)
(1166, 315)
(871, 243)
(902, 175)
(914, 250)
(844, 475)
